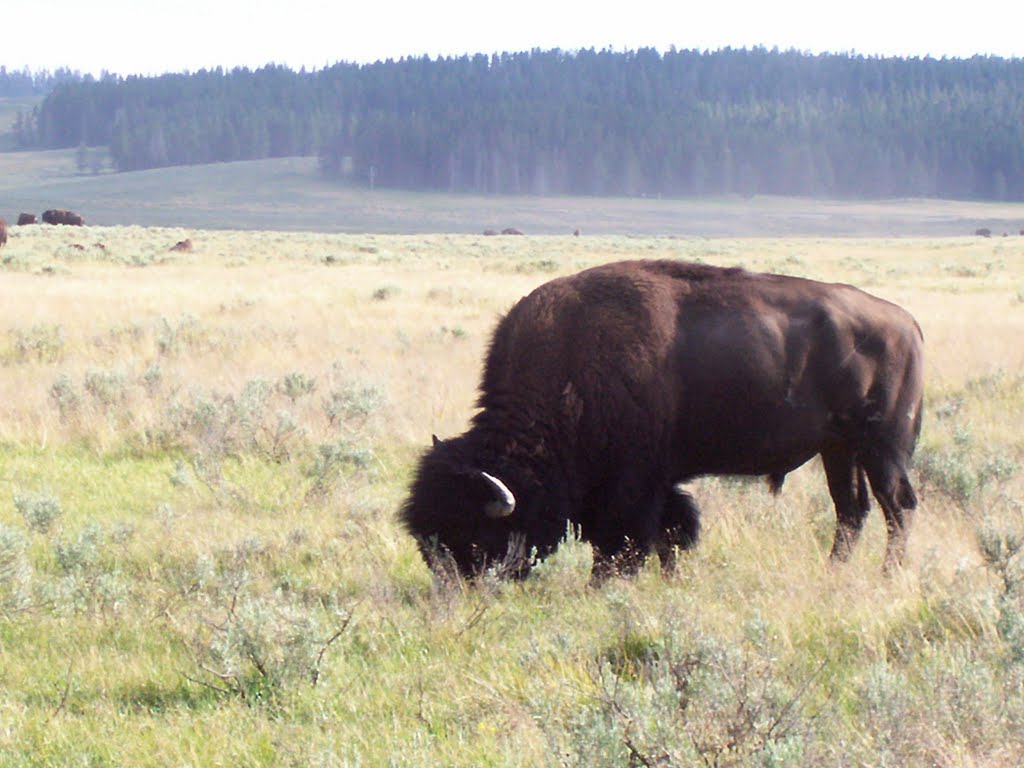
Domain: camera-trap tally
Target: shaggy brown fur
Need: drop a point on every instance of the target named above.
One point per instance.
(604, 390)
(60, 216)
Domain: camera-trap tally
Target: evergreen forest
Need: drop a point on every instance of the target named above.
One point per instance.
(588, 122)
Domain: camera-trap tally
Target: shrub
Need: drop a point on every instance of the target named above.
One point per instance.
(964, 470)
(255, 646)
(15, 572)
(43, 342)
(174, 337)
(685, 699)
(1003, 551)
(107, 388)
(40, 510)
(90, 579)
(352, 402)
(65, 397)
(296, 385)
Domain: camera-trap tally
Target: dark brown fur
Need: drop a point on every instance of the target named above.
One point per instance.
(3, 232)
(183, 246)
(26, 218)
(60, 216)
(604, 390)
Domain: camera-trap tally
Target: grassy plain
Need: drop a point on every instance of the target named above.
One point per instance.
(288, 194)
(201, 456)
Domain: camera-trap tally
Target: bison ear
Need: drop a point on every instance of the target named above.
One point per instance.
(435, 440)
(504, 503)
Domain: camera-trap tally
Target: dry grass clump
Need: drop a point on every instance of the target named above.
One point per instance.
(199, 562)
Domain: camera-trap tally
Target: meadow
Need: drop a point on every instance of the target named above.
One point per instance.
(289, 194)
(201, 459)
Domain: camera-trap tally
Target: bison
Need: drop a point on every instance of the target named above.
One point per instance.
(59, 216)
(603, 391)
(3, 232)
(183, 246)
(26, 218)
(983, 232)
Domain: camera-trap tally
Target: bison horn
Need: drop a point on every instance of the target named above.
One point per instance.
(504, 504)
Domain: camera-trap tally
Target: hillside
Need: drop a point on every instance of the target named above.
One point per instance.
(679, 123)
(289, 194)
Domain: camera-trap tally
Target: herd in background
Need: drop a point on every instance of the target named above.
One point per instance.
(51, 216)
(70, 218)
(62, 216)
(986, 232)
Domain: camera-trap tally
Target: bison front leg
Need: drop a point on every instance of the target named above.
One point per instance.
(622, 557)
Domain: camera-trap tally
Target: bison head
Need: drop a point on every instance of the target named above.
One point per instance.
(469, 519)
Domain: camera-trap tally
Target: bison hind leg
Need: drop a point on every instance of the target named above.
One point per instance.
(680, 528)
(895, 494)
(848, 488)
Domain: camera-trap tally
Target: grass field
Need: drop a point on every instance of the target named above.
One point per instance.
(202, 454)
(289, 195)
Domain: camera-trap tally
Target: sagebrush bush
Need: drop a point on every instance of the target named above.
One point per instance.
(39, 510)
(251, 640)
(42, 342)
(964, 471)
(15, 572)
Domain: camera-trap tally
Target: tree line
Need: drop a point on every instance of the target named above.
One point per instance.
(24, 83)
(733, 121)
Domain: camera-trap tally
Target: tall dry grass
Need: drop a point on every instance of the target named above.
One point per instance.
(201, 455)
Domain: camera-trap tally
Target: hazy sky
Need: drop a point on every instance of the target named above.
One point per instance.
(144, 37)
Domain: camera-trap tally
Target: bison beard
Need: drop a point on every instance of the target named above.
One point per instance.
(605, 390)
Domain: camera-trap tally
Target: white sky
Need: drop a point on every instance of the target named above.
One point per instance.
(147, 37)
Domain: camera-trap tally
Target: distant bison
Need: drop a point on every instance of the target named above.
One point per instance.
(490, 232)
(59, 216)
(603, 391)
(983, 232)
(3, 232)
(26, 218)
(183, 246)
(510, 231)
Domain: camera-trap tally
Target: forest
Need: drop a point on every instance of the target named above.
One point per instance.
(588, 122)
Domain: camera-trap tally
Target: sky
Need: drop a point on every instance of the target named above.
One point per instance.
(144, 37)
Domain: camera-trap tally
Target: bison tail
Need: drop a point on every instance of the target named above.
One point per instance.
(905, 493)
(775, 481)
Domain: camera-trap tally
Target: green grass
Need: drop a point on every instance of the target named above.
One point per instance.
(289, 194)
(200, 562)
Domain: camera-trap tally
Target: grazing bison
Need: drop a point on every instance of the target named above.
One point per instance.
(59, 216)
(510, 231)
(983, 232)
(603, 391)
(183, 246)
(26, 218)
(3, 232)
